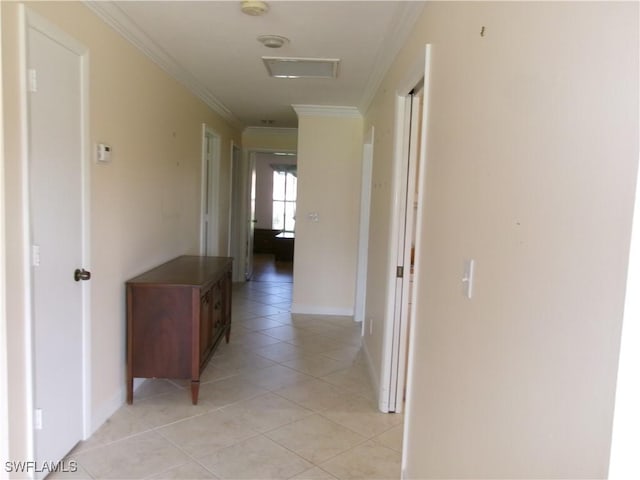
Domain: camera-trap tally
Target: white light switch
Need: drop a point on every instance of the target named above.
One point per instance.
(103, 153)
(467, 277)
(313, 217)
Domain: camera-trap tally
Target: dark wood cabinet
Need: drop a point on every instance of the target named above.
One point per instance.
(264, 240)
(283, 246)
(177, 314)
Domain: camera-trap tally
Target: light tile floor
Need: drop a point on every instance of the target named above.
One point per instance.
(288, 397)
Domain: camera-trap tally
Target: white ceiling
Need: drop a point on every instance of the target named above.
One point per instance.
(211, 47)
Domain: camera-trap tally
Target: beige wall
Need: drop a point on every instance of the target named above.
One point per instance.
(381, 116)
(145, 205)
(532, 158)
(329, 165)
(270, 139)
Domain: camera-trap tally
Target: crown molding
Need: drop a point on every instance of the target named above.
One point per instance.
(396, 36)
(113, 16)
(327, 111)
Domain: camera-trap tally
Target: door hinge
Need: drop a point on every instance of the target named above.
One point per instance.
(32, 80)
(35, 255)
(399, 272)
(37, 419)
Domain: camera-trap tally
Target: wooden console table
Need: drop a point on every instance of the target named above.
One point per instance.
(177, 314)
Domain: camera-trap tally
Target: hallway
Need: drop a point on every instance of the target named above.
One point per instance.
(288, 397)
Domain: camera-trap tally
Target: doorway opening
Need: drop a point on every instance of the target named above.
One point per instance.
(210, 203)
(411, 120)
(272, 213)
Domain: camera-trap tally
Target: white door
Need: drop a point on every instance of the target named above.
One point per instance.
(210, 192)
(412, 113)
(55, 113)
(403, 257)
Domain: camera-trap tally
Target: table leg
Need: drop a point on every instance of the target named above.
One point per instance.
(130, 390)
(195, 389)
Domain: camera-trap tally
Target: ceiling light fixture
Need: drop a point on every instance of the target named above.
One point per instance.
(255, 8)
(273, 41)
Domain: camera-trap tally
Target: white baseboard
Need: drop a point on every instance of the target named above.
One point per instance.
(318, 310)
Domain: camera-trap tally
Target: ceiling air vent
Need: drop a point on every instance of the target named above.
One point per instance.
(289, 67)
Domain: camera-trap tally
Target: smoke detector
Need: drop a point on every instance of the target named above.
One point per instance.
(255, 8)
(273, 41)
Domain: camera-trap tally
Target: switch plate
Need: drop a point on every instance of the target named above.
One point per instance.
(103, 153)
(467, 278)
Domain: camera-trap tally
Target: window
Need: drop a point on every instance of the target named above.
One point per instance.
(284, 200)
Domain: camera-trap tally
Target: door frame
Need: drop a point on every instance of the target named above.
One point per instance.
(233, 160)
(4, 386)
(30, 19)
(365, 214)
(396, 342)
(208, 192)
(247, 256)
